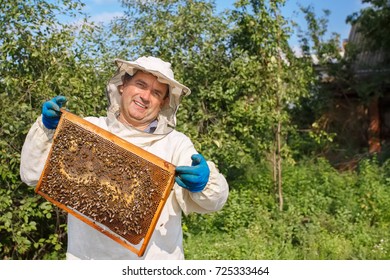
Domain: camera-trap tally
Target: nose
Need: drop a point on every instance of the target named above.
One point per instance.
(145, 95)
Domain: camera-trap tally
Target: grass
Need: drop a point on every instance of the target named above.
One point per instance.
(328, 215)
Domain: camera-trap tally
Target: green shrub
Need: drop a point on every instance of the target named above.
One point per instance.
(327, 215)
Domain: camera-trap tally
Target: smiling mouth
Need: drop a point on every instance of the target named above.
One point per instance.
(140, 105)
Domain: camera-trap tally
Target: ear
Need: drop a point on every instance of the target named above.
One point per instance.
(120, 89)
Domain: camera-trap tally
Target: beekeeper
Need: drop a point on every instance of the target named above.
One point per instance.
(143, 100)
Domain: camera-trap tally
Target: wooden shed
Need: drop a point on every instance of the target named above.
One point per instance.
(372, 72)
(359, 108)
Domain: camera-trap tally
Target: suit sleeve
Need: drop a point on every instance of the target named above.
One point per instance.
(34, 153)
(214, 195)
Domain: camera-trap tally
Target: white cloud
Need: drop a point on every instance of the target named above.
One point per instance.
(105, 17)
(297, 50)
(99, 2)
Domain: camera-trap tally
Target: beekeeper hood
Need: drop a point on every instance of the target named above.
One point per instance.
(162, 70)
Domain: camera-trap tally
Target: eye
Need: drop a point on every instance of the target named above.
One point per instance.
(157, 93)
(140, 84)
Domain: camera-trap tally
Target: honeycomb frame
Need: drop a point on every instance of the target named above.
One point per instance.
(110, 184)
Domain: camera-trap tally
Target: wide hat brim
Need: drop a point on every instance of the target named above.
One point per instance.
(156, 68)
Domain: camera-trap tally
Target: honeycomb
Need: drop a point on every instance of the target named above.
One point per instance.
(105, 181)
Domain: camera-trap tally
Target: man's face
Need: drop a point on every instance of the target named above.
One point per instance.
(142, 99)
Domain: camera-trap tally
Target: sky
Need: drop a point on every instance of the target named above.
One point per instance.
(105, 10)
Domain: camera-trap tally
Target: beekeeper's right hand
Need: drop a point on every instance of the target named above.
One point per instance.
(51, 111)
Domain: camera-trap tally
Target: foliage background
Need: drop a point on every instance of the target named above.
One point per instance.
(251, 99)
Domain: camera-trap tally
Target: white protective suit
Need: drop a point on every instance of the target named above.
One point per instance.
(84, 242)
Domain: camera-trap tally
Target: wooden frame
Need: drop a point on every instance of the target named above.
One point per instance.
(83, 177)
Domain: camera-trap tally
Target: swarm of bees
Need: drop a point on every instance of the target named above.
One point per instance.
(106, 183)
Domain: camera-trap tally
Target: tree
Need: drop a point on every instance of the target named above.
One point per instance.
(281, 79)
(39, 59)
(372, 66)
(372, 21)
(351, 76)
(189, 35)
(242, 73)
(324, 132)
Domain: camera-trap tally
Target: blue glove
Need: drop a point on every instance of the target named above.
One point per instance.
(193, 178)
(51, 111)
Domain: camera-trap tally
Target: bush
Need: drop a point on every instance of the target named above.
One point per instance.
(327, 215)
(40, 58)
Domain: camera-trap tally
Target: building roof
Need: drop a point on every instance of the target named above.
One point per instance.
(368, 60)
